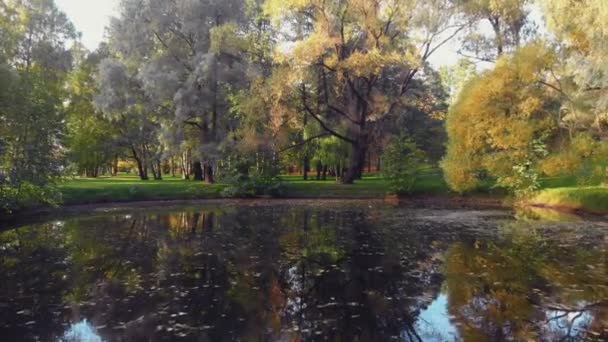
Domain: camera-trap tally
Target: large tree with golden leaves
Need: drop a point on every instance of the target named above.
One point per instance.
(353, 63)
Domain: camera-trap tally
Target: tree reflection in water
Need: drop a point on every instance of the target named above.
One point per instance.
(306, 272)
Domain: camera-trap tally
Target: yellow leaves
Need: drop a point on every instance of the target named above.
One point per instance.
(276, 9)
(459, 172)
(529, 106)
(569, 160)
(362, 63)
(225, 38)
(498, 118)
(312, 48)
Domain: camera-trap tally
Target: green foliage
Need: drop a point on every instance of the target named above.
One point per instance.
(255, 185)
(593, 199)
(28, 196)
(403, 162)
(92, 140)
(583, 156)
(250, 178)
(34, 63)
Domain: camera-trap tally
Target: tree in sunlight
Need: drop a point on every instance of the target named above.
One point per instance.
(354, 63)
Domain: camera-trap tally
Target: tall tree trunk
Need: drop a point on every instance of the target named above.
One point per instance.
(197, 169)
(319, 169)
(142, 170)
(208, 171)
(357, 161)
(305, 167)
(186, 165)
(115, 166)
(157, 170)
(324, 172)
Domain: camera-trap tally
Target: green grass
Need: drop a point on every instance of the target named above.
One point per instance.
(430, 182)
(593, 199)
(127, 188)
(558, 192)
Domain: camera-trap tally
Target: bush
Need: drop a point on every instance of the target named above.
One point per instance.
(27, 196)
(402, 162)
(251, 186)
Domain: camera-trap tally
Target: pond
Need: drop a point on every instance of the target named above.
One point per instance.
(304, 271)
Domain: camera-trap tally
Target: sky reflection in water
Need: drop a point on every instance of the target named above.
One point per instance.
(366, 272)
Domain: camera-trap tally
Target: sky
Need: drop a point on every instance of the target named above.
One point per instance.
(90, 18)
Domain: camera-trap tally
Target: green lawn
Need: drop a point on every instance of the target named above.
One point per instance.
(593, 199)
(126, 188)
(130, 188)
(558, 192)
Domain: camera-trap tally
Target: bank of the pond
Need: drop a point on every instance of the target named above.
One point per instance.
(592, 199)
(430, 190)
(129, 189)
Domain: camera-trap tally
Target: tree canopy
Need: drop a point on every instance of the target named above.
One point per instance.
(235, 89)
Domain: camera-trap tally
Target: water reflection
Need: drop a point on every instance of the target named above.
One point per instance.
(314, 272)
(81, 332)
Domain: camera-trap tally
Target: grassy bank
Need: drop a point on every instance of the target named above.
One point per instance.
(592, 199)
(127, 188)
(560, 193)
(429, 182)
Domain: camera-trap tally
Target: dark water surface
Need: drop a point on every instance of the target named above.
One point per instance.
(304, 272)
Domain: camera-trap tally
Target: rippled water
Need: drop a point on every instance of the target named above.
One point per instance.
(304, 272)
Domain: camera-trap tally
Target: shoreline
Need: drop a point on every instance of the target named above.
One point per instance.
(414, 201)
(431, 201)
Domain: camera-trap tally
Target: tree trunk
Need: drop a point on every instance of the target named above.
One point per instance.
(306, 167)
(208, 171)
(115, 166)
(142, 170)
(319, 169)
(324, 172)
(157, 170)
(357, 161)
(197, 169)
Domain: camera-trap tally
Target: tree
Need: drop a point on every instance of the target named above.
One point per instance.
(580, 26)
(123, 101)
(34, 63)
(502, 123)
(353, 63)
(508, 22)
(188, 56)
(402, 162)
(92, 139)
(455, 77)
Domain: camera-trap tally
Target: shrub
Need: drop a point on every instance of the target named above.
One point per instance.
(402, 162)
(27, 196)
(251, 186)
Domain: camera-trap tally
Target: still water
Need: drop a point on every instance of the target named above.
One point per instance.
(304, 271)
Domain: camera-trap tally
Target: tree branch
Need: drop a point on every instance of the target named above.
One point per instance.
(323, 124)
(177, 59)
(322, 135)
